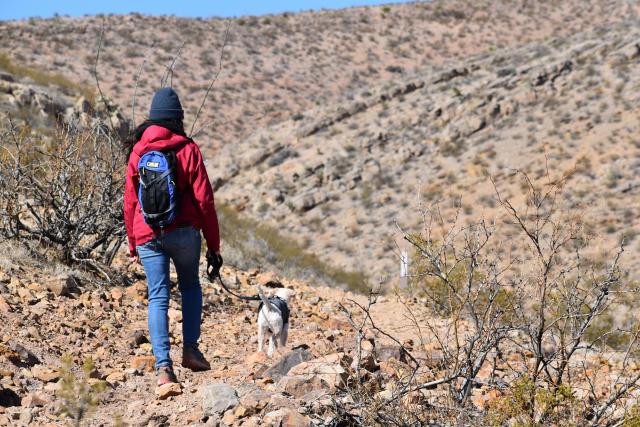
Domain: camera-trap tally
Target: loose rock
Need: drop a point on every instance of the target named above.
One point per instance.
(288, 361)
(45, 374)
(286, 417)
(143, 363)
(218, 398)
(167, 390)
(35, 399)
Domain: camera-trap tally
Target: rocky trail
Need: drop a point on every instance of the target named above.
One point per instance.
(47, 317)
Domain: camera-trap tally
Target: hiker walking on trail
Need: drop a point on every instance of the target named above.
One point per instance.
(168, 201)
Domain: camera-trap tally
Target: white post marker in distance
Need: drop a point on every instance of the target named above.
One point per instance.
(404, 269)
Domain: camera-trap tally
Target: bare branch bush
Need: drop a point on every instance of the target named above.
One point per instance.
(62, 196)
(530, 324)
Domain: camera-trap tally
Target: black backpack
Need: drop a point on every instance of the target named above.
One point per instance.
(158, 190)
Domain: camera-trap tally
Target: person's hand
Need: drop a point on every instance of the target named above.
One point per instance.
(135, 258)
(214, 262)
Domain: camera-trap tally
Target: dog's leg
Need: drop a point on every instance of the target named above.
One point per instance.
(276, 343)
(272, 345)
(284, 335)
(260, 340)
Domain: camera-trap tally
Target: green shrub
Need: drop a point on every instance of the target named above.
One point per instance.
(515, 408)
(78, 394)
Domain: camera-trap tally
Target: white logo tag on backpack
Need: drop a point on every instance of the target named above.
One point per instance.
(153, 164)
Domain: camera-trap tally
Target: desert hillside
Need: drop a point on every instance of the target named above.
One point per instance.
(495, 142)
(422, 78)
(47, 315)
(347, 176)
(277, 67)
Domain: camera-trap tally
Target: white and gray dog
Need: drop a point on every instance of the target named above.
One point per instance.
(273, 319)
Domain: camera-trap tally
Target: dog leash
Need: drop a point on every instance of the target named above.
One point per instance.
(213, 273)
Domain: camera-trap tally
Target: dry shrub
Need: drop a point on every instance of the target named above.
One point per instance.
(523, 313)
(61, 195)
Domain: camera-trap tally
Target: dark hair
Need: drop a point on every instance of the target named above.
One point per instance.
(174, 125)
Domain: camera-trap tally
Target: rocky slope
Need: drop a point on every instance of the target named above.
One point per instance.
(39, 106)
(339, 160)
(348, 175)
(47, 315)
(337, 368)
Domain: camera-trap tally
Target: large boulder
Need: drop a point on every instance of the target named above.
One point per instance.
(218, 398)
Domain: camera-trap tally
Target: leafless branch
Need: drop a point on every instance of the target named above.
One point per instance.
(103, 99)
(213, 80)
(135, 88)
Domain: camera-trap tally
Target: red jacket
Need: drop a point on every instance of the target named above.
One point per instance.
(197, 207)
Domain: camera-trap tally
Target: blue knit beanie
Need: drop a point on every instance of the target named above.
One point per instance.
(166, 105)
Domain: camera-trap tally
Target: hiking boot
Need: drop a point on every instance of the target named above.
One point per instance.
(166, 375)
(193, 359)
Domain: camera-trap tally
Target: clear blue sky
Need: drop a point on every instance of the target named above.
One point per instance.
(19, 9)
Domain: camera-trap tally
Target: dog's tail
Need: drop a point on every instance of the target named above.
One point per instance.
(265, 301)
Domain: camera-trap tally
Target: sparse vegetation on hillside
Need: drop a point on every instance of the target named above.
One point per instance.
(336, 140)
(434, 134)
(44, 78)
(251, 244)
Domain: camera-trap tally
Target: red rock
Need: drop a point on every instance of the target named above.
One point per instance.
(4, 306)
(116, 377)
(299, 385)
(334, 375)
(117, 294)
(255, 401)
(35, 399)
(137, 291)
(256, 358)
(58, 287)
(167, 390)
(228, 419)
(45, 374)
(286, 417)
(143, 363)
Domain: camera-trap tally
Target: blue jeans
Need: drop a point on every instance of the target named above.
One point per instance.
(182, 246)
